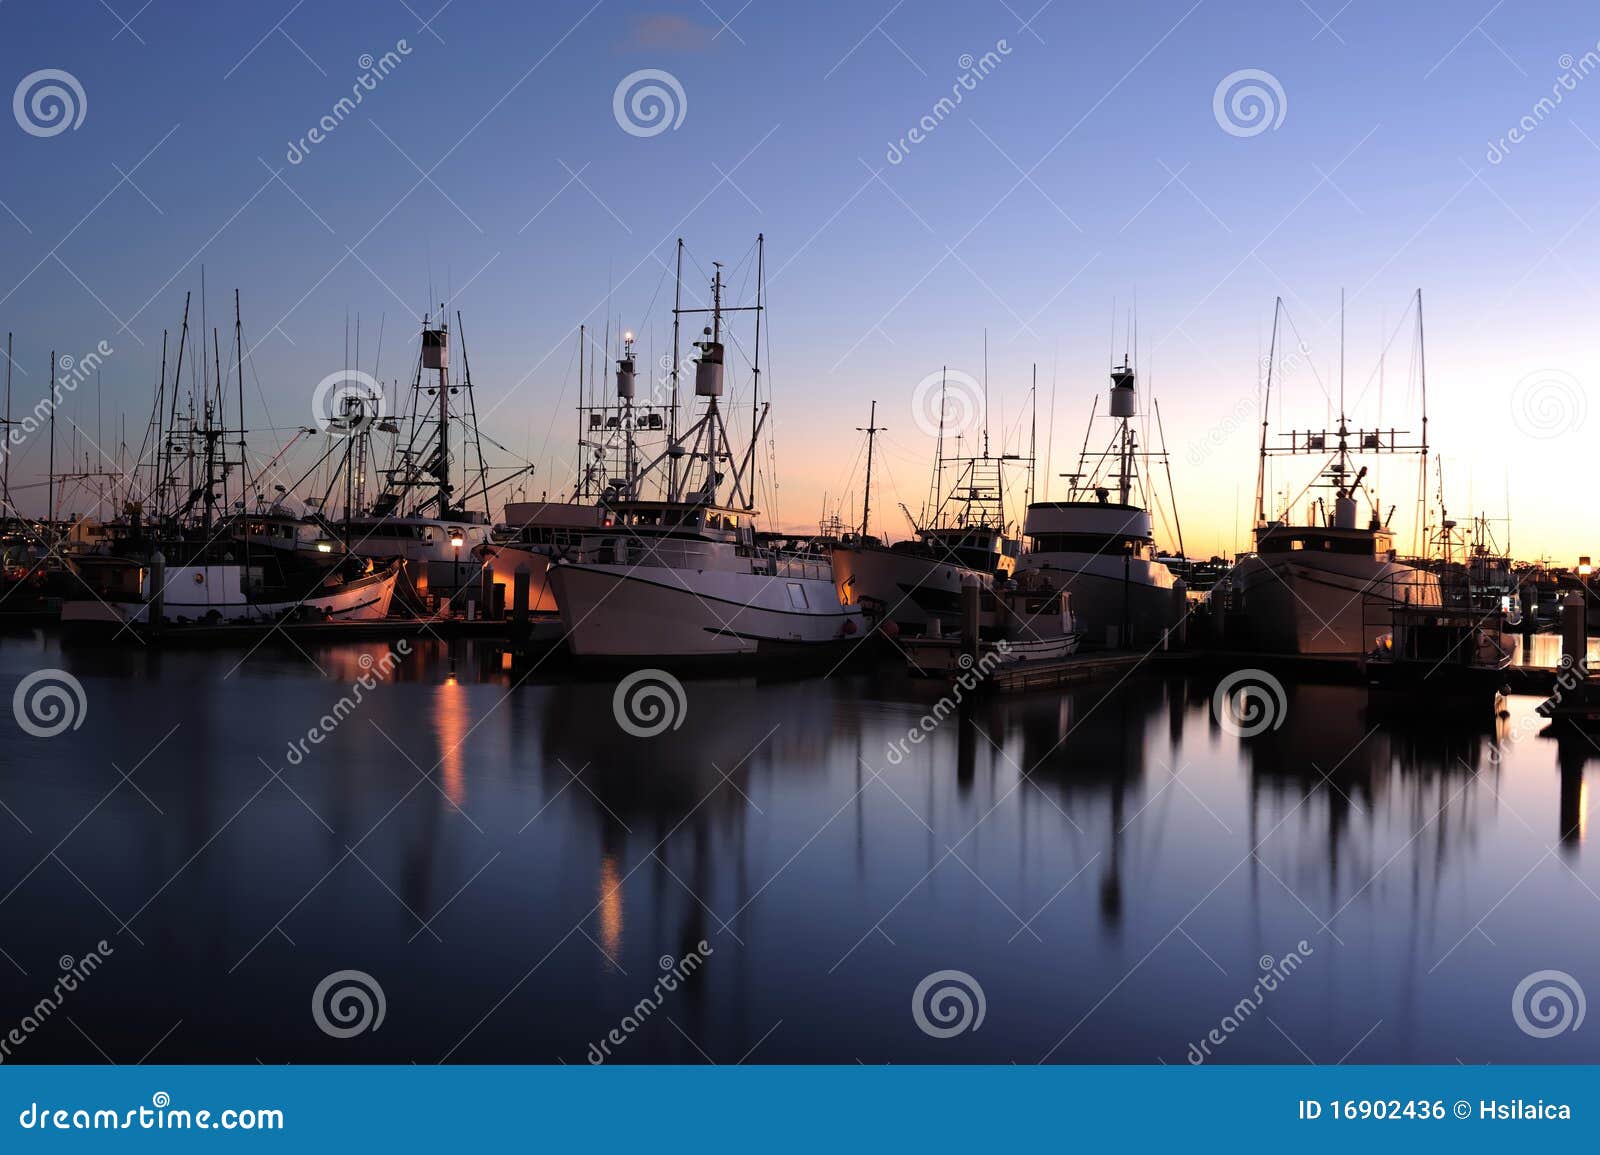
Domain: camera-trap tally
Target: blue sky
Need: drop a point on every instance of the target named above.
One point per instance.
(1086, 168)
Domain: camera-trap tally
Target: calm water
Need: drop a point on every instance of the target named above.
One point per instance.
(510, 866)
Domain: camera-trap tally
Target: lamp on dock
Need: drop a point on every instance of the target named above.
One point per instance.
(1585, 567)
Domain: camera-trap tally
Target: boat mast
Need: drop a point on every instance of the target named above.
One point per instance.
(5, 479)
(444, 424)
(1422, 361)
(872, 430)
(1266, 404)
(50, 482)
(677, 308)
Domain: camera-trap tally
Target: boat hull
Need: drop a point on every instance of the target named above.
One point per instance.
(1118, 601)
(655, 612)
(1324, 604)
(913, 590)
(212, 594)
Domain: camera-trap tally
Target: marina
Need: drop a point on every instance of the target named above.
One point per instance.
(614, 553)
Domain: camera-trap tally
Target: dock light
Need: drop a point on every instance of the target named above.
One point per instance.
(456, 540)
(1585, 568)
(324, 546)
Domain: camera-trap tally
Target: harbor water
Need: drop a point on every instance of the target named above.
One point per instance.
(1122, 875)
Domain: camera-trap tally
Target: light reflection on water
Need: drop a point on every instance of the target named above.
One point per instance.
(1115, 903)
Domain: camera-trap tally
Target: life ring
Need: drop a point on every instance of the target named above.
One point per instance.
(200, 578)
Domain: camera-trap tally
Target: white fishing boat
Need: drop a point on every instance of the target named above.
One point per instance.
(1101, 550)
(535, 534)
(125, 592)
(686, 577)
(1328, 581)
(420, 515)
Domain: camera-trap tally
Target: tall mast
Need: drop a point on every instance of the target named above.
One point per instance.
(1266, 403)
(1422, 362)
(872, 430)
(5, 481)
(444, 426)
(677, 306)
(755, 370)
(50, 482)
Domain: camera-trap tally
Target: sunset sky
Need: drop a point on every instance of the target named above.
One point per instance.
(1453, 147)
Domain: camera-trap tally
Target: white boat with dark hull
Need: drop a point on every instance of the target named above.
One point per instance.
(1103, 551)
(686, 578)
(1328, 583)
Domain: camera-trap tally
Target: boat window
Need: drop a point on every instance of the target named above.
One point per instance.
(797, 596)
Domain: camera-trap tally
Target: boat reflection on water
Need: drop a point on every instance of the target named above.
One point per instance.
(1110, 862)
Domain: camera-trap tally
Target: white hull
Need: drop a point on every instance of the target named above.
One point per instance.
(213, 594)
(1315, 603)
(912, 589)
(1109, 590)
(506, 561)
(936, 656)
(614, 611)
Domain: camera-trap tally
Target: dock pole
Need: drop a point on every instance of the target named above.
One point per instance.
(157, 601)
(969, 620)
(1574, 636)
(519, 608)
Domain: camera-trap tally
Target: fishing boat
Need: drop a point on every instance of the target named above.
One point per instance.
(1327, 581)
(914, 586)
(420, 516)
(1020, 621)
(1102, 550)
(612, 438)
(200, 590)
(686, 577)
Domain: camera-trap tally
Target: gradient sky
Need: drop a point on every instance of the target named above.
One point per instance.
(1086, 168)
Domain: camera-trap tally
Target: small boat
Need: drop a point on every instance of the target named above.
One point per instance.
(1440, 653)
(1024, 621)
(204, 591)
